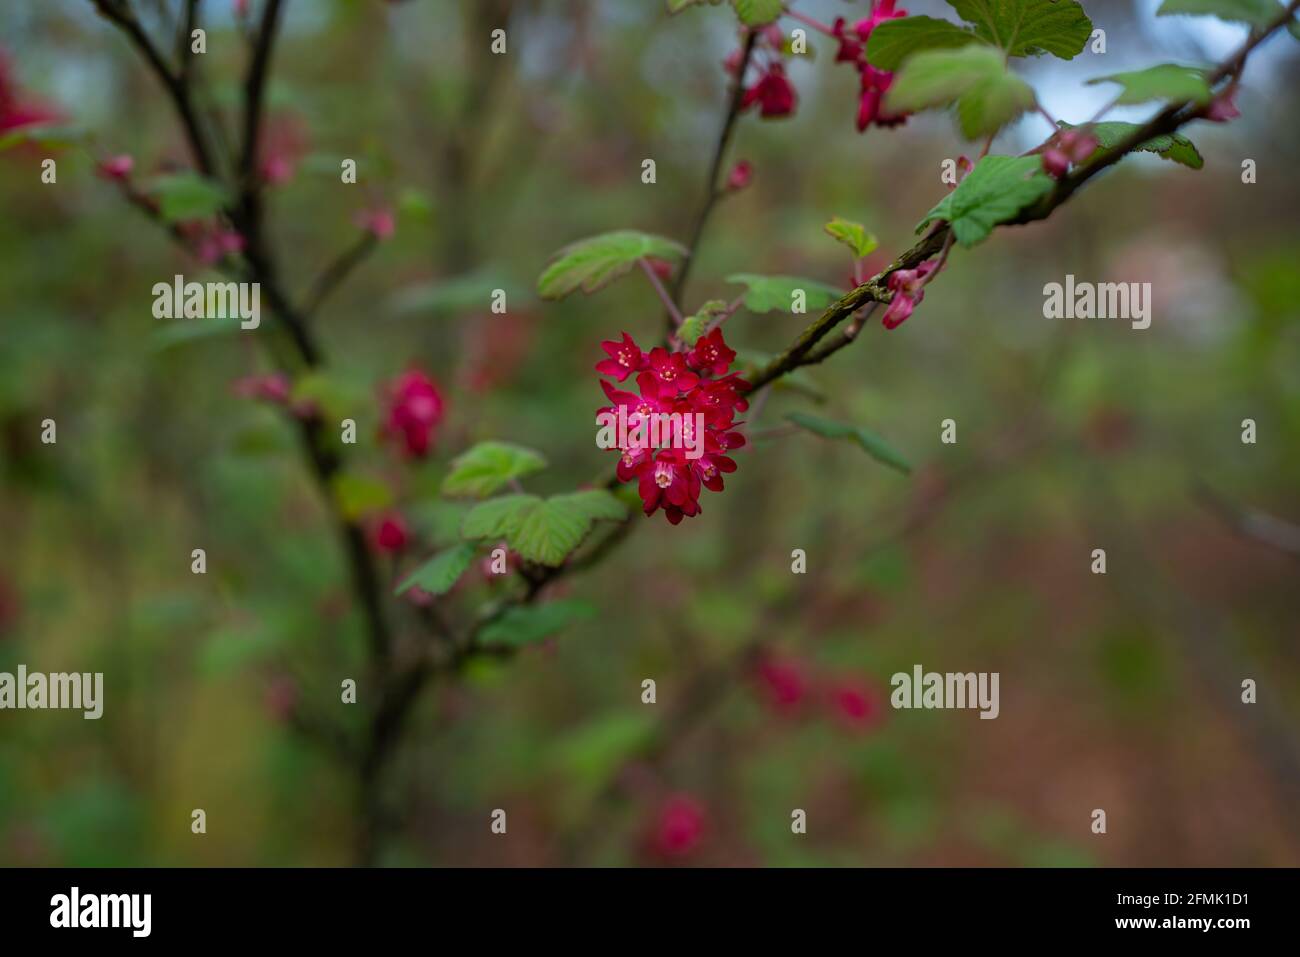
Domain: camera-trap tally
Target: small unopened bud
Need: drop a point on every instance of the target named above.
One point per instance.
(661, 267)
(116, 167)
(740, 176)
(1222, 109)
(1055, 162)
(380, 222)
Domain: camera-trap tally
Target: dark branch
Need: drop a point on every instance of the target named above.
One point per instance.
(712, 191)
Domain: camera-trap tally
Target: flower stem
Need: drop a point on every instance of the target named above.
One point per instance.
(809, 21)
(661, 292)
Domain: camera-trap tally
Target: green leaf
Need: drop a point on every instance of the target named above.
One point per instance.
(938, 77)
(336, 395)
(596, 749)
(596, 504)
(229, 649)
(1028, 27)
(851, 234)
(692, 328)
(893, 41)
(498, 517)
(451, 294)
(756, 13)
(543, 530)
(440, 572)
(1175, 146)
(992, 104)
(776, 293)
(51, 137)
(874, 445)
(553, 529)
(677, 6)
(486, 467)
(183, 196)
(593, 263)
(523, 625)
(987, 95)
(360, 495)
(993, 192)
(1165, 81)
(1257, 13)
(178, 332)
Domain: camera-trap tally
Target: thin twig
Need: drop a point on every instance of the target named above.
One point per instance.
(673, 312)
(333, 275)
(712, 190)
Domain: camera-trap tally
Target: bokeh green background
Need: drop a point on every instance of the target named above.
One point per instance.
(1119, 692)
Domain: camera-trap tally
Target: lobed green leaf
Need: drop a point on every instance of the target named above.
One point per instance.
(591, 264)
(441, 572)
(995, 191)
(486, 467)
(776, 293)
(872, 444)
(851, 234)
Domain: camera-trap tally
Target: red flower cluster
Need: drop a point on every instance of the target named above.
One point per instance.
(414, 411)
(787, 687)
(1067, 148)
(211, 242)
(873, 83)
(772, 91)
(677, 384)
(908, 287)
(283, 144)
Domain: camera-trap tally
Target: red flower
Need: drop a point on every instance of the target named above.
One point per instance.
(670, 371)
(679, 826)
(624, 359)
(391, 534)
(415, 409)
(850, 47)
(855, 705)
(671, 470)
(711, 354)
(773, 94)
(16, 110)
(873, 83)
(908, 287)
(881, 10)
(782, 683)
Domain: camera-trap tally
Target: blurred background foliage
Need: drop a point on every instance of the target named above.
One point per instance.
(1119, 692)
